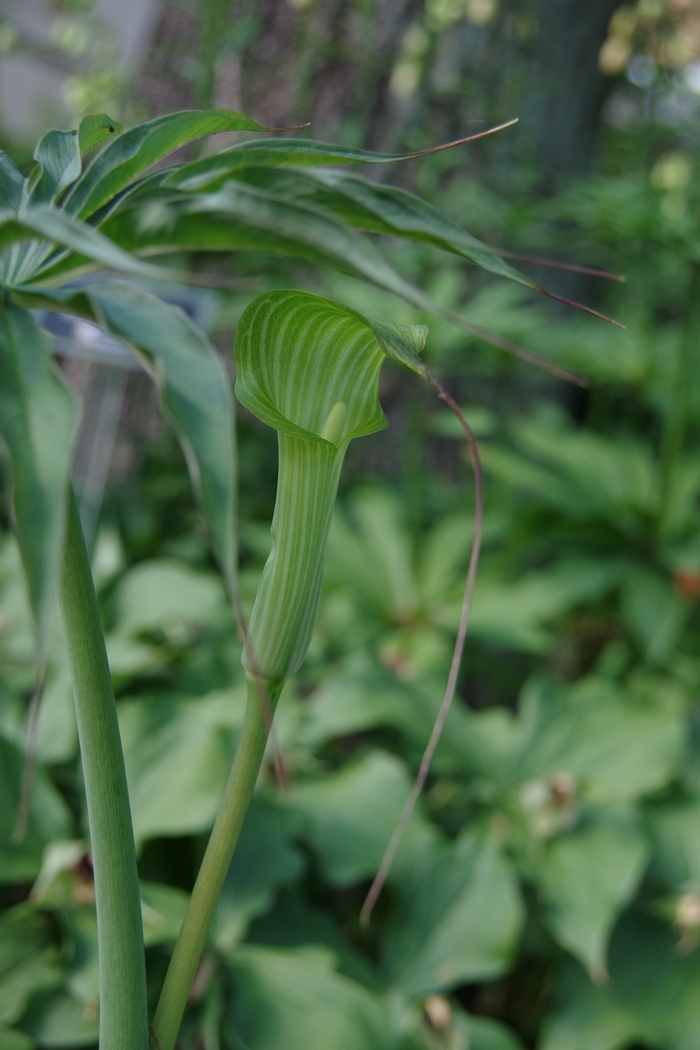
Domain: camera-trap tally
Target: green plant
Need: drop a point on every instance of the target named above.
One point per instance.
(63, 222)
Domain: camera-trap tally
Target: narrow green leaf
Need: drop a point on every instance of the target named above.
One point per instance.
(94, 129)
(240, 217)
(140, 147)
(457, 919)
(54, 226)
(11, 183)
(194, 388)
(38, 420)
(274, 153)
(59, 164)
(381, 209)
(586, 879)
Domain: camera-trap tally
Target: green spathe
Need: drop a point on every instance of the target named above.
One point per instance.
(309, 368)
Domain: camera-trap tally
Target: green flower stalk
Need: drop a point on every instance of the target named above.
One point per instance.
(309, 368)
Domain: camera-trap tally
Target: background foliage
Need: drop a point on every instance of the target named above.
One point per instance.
(548, 892)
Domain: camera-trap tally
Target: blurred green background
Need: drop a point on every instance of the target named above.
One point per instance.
(547, 894)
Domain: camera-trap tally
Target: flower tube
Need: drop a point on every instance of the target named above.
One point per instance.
(309, 368)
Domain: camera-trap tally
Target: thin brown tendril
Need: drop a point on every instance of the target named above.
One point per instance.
(294, 127)
(556, 264)
(512, 348)
(418, 784)
(580, 306)
(456, 142)
(30, 759)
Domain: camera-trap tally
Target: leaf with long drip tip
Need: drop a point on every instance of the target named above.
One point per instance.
(378, 209)
(240, 217)
(266, 153)
(295, 153)
(393, 212)
(309, 368)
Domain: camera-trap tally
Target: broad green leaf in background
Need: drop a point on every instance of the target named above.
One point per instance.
(653, 612)
(518, 614)
(351, 814)
(49, 818)
(266, 858)
(652, 996)
(589, 1019)
(38, 421)
(586, 878)
(58, 1020)
(585, 475)
(483, 1033)
(365, 695)
(375, 555)
(458, 920)
(293, 921)
(156, 595)
(617, 744)
(163, 909)
(13, 1039)
(161, 600)
(29, 963)
(58, 732)
(82, 979)
(675, 828)
(178, 752)
(294, 999)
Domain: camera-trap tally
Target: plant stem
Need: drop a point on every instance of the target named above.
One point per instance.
(217, 858)
(123, 1007)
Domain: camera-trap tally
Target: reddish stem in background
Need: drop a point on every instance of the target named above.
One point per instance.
(419, 782)
(555, 264)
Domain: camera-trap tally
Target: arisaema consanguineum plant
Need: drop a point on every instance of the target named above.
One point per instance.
(70, 233)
